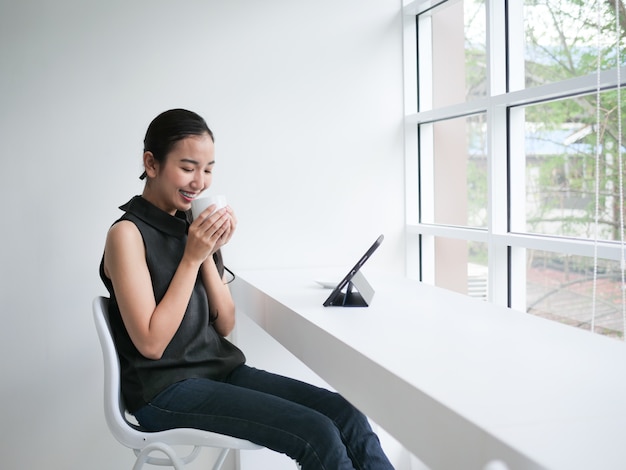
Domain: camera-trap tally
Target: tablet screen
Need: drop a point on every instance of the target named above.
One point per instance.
(337, 296)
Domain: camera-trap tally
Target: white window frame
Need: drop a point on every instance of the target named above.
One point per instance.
(505, 239)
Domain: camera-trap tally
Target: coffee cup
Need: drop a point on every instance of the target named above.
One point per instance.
(202, 202)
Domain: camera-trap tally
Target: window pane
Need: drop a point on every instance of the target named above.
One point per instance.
(457, 67)
(560, 151)
(561, 39)
(454, 187)
(560, 287)
(462, 266)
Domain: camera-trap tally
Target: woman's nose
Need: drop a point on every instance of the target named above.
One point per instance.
(198, 180)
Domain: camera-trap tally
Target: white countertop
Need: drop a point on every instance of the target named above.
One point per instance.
(457, 381)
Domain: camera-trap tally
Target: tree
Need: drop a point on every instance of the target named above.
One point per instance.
(562, 42)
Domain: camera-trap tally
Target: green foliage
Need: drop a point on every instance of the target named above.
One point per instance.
(564, 39)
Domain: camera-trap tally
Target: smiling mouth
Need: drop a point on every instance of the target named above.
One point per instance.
(188, 196)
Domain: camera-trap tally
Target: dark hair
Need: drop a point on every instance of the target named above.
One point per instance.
(168, 128)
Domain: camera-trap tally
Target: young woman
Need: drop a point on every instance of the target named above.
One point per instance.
(171, 309)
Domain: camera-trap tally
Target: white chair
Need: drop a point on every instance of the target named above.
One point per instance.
(130, 435)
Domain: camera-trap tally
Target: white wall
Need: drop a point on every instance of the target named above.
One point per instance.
(305, 101)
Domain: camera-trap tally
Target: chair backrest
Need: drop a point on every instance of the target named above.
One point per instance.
(114, 409)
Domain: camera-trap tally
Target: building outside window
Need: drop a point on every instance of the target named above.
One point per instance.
(514, 154)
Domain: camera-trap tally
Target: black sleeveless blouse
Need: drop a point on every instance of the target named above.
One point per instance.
(196, 350)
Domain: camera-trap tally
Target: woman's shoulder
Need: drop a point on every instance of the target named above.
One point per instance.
(123, 231)
(123, 246)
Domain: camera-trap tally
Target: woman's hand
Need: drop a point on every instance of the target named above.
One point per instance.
(225, 238)
(218, 229)
(209, 232)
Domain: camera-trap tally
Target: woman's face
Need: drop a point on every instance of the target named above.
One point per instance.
(185, 173)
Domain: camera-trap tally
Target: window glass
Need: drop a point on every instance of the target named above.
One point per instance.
(462, 266)
(562, 168)
(561, 39)
(560, 287)
(454, 173)
(456, 69)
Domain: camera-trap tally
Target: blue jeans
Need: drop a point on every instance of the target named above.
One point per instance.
(317, 428)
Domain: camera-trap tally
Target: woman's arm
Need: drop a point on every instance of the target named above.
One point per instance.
(221, 303)
(151, 327)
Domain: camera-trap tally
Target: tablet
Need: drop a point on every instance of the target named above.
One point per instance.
(350, 298)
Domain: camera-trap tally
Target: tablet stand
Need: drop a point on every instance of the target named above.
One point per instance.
(359, 293)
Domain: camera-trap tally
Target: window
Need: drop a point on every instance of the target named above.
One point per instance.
(514, 154)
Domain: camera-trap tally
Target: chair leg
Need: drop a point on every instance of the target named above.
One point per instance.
(143, 456)
(220, 459)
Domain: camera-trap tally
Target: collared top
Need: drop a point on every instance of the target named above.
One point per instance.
(196, 350)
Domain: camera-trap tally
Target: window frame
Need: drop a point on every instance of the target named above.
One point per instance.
(503, 105)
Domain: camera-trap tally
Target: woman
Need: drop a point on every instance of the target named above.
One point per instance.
(171, 309)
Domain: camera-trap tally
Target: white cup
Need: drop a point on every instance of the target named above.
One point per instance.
(201, 203)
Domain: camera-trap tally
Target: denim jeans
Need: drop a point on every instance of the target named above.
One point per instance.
(317, 428)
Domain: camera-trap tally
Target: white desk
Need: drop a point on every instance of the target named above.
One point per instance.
(457, 381)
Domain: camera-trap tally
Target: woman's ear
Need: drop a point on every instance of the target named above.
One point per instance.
(150, 164)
